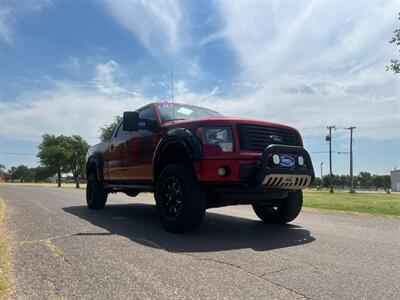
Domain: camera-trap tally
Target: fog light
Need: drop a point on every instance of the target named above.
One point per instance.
(300, 160)
(221, 172)
(224, 171)
(276, 159)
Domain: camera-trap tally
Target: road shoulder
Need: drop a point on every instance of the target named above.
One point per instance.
(5, 263)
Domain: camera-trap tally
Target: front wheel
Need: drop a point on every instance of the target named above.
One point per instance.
(180, 199)
(286, 211)
(96, 195)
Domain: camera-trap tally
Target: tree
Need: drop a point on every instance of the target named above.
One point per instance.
(365, 179)
(77, 148)
(317, 181)
(21, 172)
(41, 173)
(395, 63)
(53, 154)
(3, 173)
(107, 130)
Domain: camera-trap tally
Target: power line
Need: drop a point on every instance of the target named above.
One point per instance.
(17, 153)
(321, 152)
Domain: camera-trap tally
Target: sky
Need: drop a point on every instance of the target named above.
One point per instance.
(69, 67)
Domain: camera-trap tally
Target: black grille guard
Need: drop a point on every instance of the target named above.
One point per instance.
(265, 169)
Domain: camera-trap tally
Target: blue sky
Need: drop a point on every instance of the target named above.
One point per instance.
(69, 67)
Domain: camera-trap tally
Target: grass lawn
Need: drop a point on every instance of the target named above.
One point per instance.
(369, 203)
(5, 267)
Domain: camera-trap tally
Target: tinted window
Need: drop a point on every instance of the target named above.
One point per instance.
(170, 111)
(119, 130)
(147, 113)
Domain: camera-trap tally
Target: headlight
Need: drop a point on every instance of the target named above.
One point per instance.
(219, 136)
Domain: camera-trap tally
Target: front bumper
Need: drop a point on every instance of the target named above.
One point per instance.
(259, 173)
(298, 177)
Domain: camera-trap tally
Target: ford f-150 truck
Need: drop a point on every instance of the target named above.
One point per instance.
(194, 158)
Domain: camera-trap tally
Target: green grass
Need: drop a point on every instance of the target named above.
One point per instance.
(5, 266)
(368, 203)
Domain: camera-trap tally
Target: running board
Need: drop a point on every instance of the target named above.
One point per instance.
(124, 187)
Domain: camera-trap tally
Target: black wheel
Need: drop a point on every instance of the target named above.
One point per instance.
(96, 195)
(287, 210)
(180, 199)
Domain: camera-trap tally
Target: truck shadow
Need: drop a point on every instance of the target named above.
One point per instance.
(139, 222)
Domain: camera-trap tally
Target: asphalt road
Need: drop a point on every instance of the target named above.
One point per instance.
(63, 250)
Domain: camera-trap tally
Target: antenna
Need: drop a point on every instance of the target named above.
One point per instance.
(172, 93)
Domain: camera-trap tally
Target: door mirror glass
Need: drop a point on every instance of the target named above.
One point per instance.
(130, 121)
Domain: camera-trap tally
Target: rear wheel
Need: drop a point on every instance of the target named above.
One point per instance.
(286, 211)
(180, 199)
(96, 195)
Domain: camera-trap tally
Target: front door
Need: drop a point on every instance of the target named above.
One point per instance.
(140, 149)
(130, 153)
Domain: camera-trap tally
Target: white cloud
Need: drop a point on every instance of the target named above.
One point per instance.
(299, 67)
(66, 109)
(11, 12)
(105, 81)
(311, 64)
(5, 30)
(158, 25)
(71, 65)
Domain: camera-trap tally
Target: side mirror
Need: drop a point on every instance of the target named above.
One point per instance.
(130, 121)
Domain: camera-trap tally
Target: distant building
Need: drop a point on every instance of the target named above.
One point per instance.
(395, 178)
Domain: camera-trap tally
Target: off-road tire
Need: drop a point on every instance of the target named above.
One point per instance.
(287, 210)
(181, 200)
(96, 195)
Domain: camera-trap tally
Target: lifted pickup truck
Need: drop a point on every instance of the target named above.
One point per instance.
(194, 158)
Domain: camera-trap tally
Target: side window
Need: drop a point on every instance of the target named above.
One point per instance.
(147, 113)
(119, 130)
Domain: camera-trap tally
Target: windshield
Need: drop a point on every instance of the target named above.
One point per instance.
(184, 112)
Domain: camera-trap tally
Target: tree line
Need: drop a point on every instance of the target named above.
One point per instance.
(57, 155)
(364, 180)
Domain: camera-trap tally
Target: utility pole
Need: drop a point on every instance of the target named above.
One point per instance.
(328, 138)
(351, 158)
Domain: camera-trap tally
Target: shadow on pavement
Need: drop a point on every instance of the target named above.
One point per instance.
(139, 222)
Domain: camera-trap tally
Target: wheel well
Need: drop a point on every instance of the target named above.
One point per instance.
(91, 166)
(173, 154)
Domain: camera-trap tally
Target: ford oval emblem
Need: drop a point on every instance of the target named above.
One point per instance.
(287, 161)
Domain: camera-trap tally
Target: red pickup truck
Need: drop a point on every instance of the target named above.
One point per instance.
(194, 158)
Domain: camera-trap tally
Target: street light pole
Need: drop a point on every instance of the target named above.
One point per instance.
(322, 179)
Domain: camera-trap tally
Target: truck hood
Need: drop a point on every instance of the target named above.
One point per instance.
(223, 121)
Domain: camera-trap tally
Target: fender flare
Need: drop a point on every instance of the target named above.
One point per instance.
(96, 159)
(180, 136)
